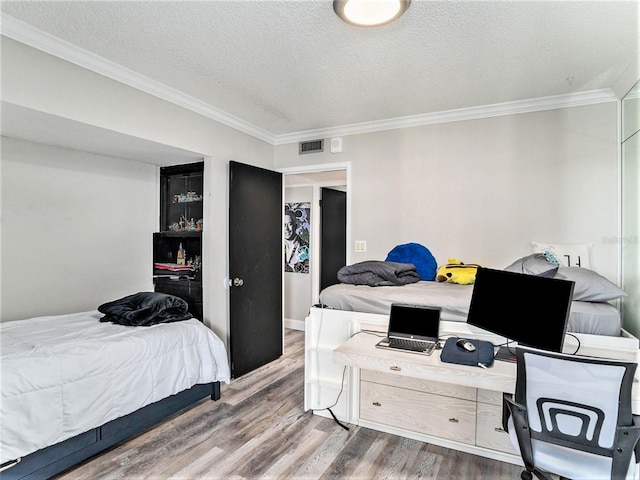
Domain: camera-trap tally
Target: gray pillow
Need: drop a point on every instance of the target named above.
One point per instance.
(535, 264)
(589, 285)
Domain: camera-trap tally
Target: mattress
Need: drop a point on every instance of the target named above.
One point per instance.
(453, 300)
(64, 375)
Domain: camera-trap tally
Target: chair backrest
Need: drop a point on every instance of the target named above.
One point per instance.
(574, 401)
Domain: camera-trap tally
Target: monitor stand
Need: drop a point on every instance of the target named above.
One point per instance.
(505, 354)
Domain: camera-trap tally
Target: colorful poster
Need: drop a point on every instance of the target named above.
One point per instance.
(296, 237)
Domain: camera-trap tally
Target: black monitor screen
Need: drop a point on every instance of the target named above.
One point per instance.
(528, 309)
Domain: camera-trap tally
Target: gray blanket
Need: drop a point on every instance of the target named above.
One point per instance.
(144, 309)
(375, 273)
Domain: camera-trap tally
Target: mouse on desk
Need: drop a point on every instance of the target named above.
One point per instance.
(466, 345)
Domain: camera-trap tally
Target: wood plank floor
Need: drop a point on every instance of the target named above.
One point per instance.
(259, 430)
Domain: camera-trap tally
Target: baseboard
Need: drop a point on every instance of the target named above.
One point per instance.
(294, 324)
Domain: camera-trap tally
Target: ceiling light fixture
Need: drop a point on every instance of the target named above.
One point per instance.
(370, 13)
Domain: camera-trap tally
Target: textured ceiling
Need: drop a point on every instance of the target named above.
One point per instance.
(294, 66)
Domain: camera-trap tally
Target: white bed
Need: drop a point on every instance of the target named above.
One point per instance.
(595, 318)
(353, 306)
(65, 375)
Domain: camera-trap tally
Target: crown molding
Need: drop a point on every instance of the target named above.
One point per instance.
(15, 29)
(471, 113)
(24, 33)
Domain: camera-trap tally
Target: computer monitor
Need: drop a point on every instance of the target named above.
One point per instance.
(531, 310)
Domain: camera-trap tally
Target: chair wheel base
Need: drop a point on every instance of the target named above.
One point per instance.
(526, 475)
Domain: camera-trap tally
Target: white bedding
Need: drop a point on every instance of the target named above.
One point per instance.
(64, 375)
(454, 300)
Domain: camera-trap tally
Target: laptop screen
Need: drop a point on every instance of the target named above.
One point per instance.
(414, 321)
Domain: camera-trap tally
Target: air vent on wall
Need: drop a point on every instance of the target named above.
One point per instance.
(311, 146)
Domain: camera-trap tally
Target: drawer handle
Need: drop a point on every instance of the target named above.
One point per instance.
(454, 420)
(395, 369)
(500, 430)
(377, 404)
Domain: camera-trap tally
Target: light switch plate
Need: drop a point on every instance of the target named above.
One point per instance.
(361, 246)
(336, 145)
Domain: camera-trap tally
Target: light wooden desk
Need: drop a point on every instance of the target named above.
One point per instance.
(420, 397)
(360, 352)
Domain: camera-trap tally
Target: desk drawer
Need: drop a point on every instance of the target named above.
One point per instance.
(444, 417)
(489, 396)
(489, 429)
(428, 386)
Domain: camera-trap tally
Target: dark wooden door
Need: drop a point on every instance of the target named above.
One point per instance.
(255, 267)
(333, 235)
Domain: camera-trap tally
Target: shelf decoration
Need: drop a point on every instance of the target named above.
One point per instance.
(187, 197)
(184, 225)
(192, 265)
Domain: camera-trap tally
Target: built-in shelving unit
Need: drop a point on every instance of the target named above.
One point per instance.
(177, 247)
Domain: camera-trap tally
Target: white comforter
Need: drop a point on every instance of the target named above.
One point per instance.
(64, 375)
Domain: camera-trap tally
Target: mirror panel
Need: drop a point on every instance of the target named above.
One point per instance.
(631, 112)
(630, 241)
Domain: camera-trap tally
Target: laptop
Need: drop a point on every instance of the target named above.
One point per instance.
(412, 328)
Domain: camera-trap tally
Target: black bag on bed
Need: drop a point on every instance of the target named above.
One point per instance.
(481, 356)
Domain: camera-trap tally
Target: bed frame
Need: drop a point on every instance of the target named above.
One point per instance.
(52, 460)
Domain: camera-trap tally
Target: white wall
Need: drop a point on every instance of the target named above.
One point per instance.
(478, 190)
(76, 229)
(36, 80)
(481, 190)
(297, 286)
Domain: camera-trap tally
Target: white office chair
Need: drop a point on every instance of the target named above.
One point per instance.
(572, 416)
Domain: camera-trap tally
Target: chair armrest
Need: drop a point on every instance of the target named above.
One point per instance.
(506, 398)
(626, 447)
(507, 404)
(518, 414)
(636, 447)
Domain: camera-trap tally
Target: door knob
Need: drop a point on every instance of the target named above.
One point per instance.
(238, 282)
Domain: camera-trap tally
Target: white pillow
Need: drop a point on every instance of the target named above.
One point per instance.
(567, 254)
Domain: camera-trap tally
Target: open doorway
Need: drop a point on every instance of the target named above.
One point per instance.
(304, 186)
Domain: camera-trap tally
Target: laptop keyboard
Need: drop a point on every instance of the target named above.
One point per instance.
(413, 345)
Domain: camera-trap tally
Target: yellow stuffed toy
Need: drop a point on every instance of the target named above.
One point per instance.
(457, 272)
